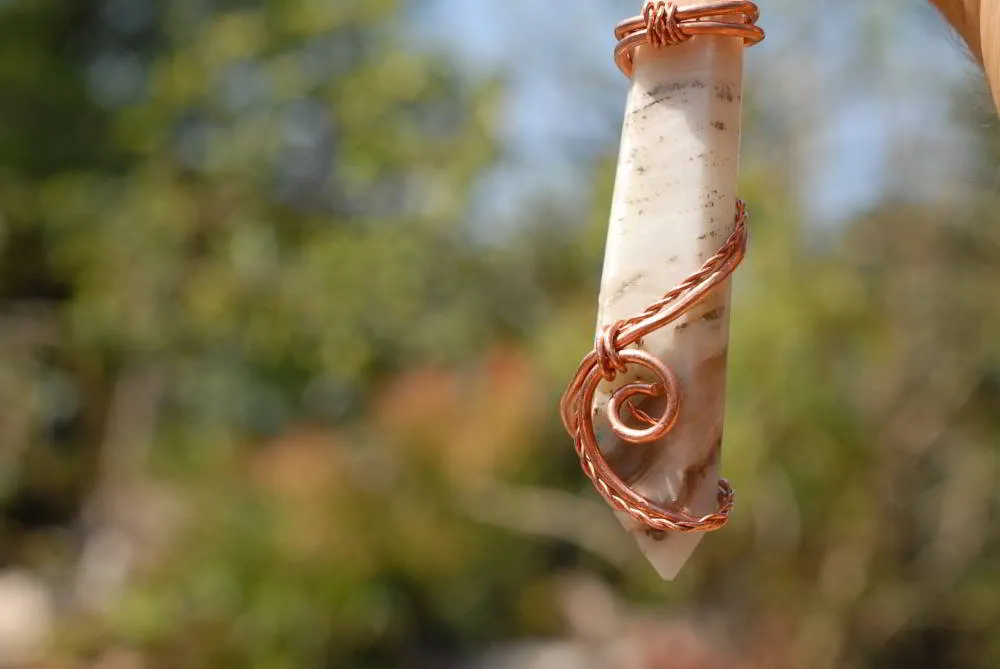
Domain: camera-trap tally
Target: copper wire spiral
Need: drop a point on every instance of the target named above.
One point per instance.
(612, 355)
(665, 24)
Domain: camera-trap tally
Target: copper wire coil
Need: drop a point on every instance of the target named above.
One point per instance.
(612, 355)
(665, 24)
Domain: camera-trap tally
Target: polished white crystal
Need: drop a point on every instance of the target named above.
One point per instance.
(674, 206)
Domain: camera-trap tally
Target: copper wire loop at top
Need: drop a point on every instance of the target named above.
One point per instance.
(612, 354)
(664, 24)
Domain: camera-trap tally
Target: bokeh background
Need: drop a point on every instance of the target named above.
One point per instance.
(289, 290)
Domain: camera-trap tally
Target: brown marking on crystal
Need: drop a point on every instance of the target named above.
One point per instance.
(625, 287)
(661, 93)
(693, 475)
(631, 462)
(714, 314)
(718, 361)
(718, 125)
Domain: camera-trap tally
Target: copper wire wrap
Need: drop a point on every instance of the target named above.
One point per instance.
(611, 356)
(664, 24)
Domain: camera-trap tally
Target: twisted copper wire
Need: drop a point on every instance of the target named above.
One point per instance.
(611, 356)
(664, 24)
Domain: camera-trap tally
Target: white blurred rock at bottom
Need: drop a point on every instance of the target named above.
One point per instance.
(26, 618)
(603, 634)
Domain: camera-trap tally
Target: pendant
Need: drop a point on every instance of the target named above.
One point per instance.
(646, 407)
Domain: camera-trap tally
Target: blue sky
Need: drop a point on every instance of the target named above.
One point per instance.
(565, 97)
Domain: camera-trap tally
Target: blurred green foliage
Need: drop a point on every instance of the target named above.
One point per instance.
(267, 404)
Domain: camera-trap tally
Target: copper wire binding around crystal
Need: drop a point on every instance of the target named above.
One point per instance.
(612, 355)
(664, 24)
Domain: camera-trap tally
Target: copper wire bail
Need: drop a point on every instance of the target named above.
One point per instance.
(664, 24)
